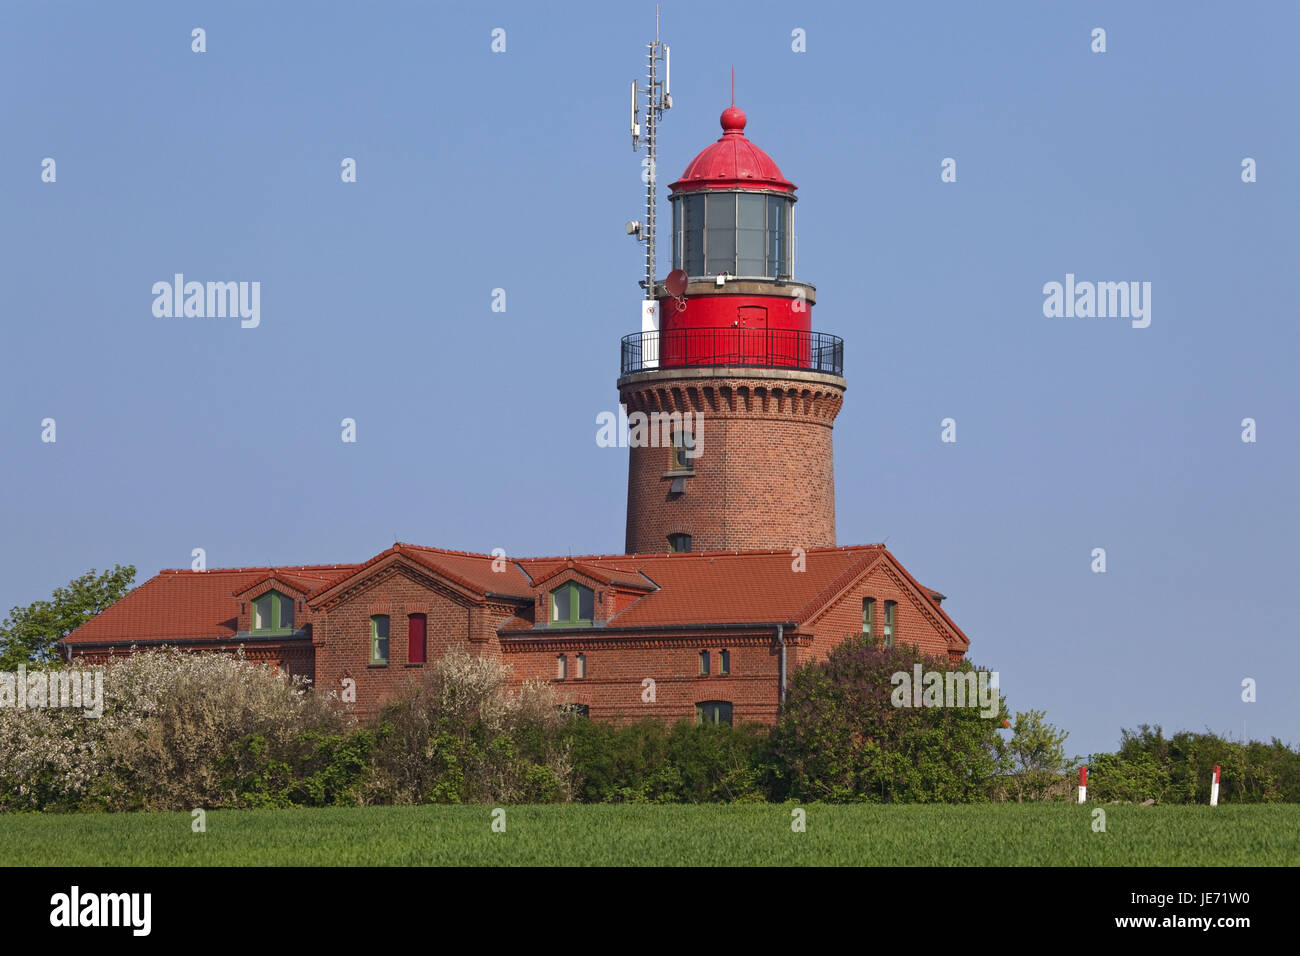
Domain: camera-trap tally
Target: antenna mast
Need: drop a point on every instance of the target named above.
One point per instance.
(657, 99)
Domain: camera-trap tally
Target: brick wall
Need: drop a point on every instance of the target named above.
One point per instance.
(764, 477)
(614, 688)
(915, 622)
(342, 634)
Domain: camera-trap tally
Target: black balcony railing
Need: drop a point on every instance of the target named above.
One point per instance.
(733, 347)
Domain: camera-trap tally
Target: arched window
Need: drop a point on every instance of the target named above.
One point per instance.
(272, 612)
(891, 622)
(571, 604)
(379, 639)
(561, 667)
(582, 667)
(869, 616)
(679, 543)
(724, 662)
(704, 663)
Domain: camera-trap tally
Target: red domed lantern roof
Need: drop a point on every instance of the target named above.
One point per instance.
(732, 162)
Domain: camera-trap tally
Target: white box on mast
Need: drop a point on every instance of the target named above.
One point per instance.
(649, 333)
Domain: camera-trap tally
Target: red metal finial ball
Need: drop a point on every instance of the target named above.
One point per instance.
(733, 120)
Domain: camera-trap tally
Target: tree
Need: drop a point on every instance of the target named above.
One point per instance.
(1035, 755)
(28, 634)
(843, 738)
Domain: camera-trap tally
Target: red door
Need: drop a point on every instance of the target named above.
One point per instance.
(752, 332)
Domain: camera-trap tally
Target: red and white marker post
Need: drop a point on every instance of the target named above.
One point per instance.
(1214, 788)
(1083, 784)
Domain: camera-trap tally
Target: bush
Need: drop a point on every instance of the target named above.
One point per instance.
(647, 762)
(459, 736)
(1178, 769)
(841, 739)
(178, 731)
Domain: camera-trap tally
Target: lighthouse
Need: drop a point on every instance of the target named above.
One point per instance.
(730, 364)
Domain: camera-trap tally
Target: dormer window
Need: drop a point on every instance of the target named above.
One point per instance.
(572, 604)
(272, 613)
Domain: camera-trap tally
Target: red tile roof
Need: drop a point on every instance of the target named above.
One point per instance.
(183, 605)
(704, 588)
(729, 587)
(473, 571)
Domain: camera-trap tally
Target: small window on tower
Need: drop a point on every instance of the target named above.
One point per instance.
(679, 543)
(683, 447)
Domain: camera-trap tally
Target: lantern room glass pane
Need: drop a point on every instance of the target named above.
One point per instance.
(778, 236)
(750, 239)
(720, 234)
(692, 234)
(677, 235)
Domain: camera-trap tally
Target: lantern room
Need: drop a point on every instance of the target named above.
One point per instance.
(733, 233)
(733, 211)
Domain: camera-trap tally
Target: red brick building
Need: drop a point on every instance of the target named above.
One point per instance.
(728, 584)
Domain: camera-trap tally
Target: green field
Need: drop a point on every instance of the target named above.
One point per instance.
(716, 835)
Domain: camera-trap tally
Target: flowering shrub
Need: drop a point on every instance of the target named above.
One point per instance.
(172, 729)
(182, 730)
(459, 735)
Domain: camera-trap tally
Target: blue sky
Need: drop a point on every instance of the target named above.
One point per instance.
(476, 429)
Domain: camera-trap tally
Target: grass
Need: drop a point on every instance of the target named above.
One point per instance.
(717, 835)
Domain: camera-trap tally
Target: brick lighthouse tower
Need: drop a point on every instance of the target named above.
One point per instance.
(731, 350)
